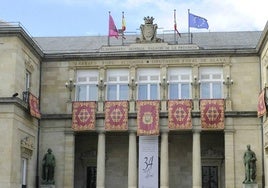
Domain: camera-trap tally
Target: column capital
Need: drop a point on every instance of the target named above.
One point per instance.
(101, 131)
(164, 130)
(229, 131)
(130, 131)
(197, 130)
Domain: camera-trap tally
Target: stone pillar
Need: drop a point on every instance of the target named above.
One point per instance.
(229, 159)
(132, 160)
(164, 174)
(69, 159)
(197, 174)
(101, 161)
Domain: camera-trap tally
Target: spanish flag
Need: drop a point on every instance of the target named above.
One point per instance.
(123, 22)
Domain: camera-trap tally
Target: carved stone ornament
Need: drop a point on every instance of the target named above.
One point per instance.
(148, 31)
(27, 147)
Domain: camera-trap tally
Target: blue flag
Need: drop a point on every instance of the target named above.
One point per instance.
(197, 21)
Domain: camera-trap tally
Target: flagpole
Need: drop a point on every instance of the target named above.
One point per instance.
(122, 28)
(109, 29)
(174, 26)
(189, 26)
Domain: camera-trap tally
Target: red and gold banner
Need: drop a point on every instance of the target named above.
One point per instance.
(261, 104)
(212, 113)
(179, 114)
(116, 115)
(148, 118)
(34, 106)
(84, 115)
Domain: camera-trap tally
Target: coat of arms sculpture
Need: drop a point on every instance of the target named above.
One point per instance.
(148, 31)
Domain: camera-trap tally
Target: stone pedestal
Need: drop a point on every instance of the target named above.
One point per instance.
(47, 186)
(251, 185)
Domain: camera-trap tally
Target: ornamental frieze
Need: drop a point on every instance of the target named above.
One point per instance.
(182, 61)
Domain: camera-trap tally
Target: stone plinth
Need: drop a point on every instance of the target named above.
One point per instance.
(251, 185)
(47, 186)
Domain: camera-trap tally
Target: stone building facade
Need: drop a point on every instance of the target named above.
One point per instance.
(231, 66)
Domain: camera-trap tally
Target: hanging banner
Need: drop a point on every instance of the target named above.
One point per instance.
(212, 113)
(179, 114)
(148, 161)
(116, 115)
(261, 104)
(83, 115)
(147, 118)
(34, 106)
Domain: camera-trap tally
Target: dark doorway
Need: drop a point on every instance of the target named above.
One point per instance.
(209, 177)
(91, 177)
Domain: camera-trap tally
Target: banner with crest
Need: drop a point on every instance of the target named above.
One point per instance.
(147, 118)
(179, 114)
(83, 117)
(116, 115)
(212, 113)
(261, 104)
(34, 106)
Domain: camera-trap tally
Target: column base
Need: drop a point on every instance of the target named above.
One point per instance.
(47, 186)
(251, 185)
(164, 186)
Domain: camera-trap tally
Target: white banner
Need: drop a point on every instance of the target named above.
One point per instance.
(148, 161)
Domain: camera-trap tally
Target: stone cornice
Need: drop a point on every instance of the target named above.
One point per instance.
(16, 29)
(148, 54)
(14, 101)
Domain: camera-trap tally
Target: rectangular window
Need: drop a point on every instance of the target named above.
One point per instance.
(117, 84)
(27, 80)
(86, 85)
(179, 83)
(211, 79)
(148, 84)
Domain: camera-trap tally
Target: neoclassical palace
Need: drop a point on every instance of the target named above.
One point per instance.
(141, 111)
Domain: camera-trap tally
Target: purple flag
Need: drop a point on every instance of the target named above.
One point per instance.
(113, 32)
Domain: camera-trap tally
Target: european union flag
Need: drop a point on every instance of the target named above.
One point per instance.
(197, 21)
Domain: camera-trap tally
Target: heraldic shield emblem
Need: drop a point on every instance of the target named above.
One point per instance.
(148, 31)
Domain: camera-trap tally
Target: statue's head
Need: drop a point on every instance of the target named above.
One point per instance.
(49, 150)
(248, 146)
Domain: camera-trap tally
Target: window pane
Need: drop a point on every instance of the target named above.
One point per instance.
(205, 91)
(123, 92)
(142, 92)
(173, 91)
(82, 92)
(217, 90)
(93, 93)
(153, 92)
(111, 92)
(185, 91)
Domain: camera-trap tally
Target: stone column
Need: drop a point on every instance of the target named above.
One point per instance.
(164, 174)
(132, 160)
(197, 174)
(101, 161)
(229, 159)
(69, 145)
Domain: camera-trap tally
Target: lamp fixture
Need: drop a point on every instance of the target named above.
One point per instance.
(132, 86)
(70, 85)
(228, 83)
(195, 84)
